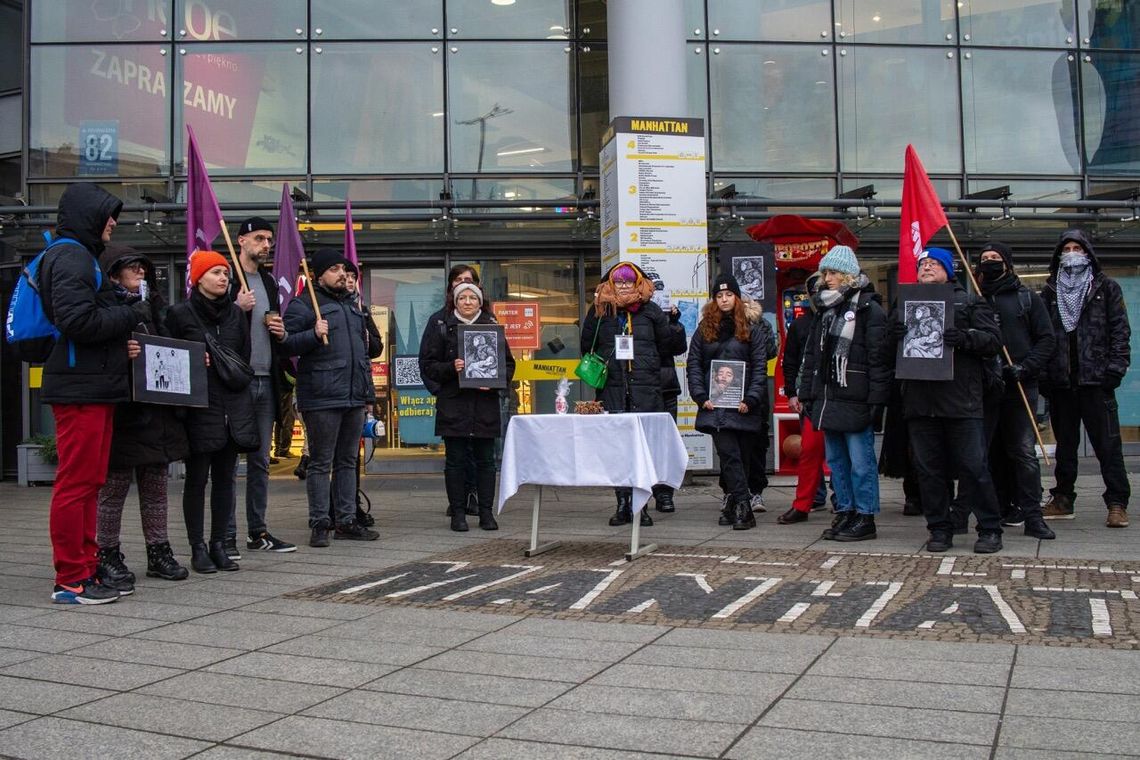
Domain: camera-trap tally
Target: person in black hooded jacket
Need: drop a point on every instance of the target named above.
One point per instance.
(83, 379)
(225, 428)
(147, 438)
(1028, 336)
(726, 334)
(1092, 356)
(623, 308)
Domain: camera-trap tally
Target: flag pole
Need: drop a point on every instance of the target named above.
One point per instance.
(311, 287)
(1004, 350)
(233, 256)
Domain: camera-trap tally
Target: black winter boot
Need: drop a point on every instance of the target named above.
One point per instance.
(743, 519)
(487, 520)
(112, 566)
(200, 558)
(219, 557)
(859, 528)
(456, 499)
(727, 511)
(160, 563)
(663, 499)
(838, 522)
(645, 520)
(624, 513)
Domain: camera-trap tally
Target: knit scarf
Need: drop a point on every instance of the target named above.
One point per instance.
(1074, 278)
(837, 331)
(471, 321)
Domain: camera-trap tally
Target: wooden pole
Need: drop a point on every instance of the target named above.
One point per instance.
(311, 287)
(233, 256)
(1004, 350)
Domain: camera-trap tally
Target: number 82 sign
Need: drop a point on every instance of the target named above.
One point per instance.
(99, 147)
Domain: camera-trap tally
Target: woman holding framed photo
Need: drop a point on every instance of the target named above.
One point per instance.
(468, 419)
(727, 338)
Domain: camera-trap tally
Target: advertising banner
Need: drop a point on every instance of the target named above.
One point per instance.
(521, 321)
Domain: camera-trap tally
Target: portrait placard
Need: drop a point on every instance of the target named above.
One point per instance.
(926, 310)
(483, 348)
(169, 371)
(726, 383)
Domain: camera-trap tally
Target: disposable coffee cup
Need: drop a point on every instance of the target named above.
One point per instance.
(270, 315)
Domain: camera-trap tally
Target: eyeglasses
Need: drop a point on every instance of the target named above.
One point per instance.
(136, 266)
(929, 263)
(259, 239)
(623, 284)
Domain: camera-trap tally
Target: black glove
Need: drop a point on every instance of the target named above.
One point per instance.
(1013, 373)
(674, 315)
(142, 310)
(896, 331)
(877, 418)
(954, 337)
(1111, 381)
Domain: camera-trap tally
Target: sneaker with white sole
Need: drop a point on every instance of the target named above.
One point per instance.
(758, 503)
(89, 591)
(264, 542)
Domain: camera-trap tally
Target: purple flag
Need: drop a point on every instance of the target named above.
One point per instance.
(349, 235)
(289, 251)
(203, 216)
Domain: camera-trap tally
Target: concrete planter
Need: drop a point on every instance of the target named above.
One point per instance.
(31, 469)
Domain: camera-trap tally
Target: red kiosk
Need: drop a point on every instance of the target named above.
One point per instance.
(798, 243)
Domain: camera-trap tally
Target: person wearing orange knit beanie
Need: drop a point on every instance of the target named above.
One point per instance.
(202, 262)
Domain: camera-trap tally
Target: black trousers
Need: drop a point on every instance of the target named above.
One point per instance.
(734, 447)
(943, 449)
(1098, 410)
(217, 467)
(1011, 442)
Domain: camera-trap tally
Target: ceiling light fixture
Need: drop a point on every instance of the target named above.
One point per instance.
(502, 2)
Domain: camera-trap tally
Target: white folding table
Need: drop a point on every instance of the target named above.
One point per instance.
(636, 451)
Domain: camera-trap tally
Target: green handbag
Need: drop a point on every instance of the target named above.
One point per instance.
(593, 369)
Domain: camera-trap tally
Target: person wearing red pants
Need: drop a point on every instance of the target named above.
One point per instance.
(83, 379)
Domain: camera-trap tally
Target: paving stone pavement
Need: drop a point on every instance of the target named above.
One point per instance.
(765, 643)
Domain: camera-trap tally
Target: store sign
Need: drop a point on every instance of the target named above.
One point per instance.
(99, 147)
(415, 415)
(522, 324)
(545, 369)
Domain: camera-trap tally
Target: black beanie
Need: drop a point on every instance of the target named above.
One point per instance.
(725, 281)
(253, 224)
(324, 259)
(1001, 249)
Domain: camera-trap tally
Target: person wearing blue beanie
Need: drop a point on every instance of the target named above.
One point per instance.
(943, 257)
(840, 259)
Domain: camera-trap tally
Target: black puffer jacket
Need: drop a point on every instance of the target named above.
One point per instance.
(670, 383)
(230, 413)
(1026, 333)
(144, 434)
(795, 339)
(91, 321)
(754, 354)
(960, 398)
(466, 412)
(847, 409)
(339, 375)
(1102, 334)
(632, 386)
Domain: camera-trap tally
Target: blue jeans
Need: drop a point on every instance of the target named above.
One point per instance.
(334, 438)
(256, 462)
(854, 470)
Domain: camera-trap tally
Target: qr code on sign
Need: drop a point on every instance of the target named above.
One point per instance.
(407, 369)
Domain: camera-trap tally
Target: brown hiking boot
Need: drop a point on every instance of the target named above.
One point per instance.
(1058, 507)
(1117, 517)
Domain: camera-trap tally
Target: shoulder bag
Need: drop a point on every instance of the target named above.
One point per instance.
(234, 371)
(592, 369)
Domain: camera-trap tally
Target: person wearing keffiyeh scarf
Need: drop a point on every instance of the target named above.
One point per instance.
(1090, 320)
(844, 385)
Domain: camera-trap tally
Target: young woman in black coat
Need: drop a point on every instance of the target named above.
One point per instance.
(725, 333)
(219, 432)
(468, 419)
(622, 307)
(146, 439)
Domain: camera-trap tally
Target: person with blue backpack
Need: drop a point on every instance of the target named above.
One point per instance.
(84, 377)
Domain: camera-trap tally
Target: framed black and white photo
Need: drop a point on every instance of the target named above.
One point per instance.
(483, 348)
(926, 310)
(169, 371)
(726, 383)
(749, 272)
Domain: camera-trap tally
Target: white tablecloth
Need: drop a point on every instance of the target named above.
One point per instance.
(632, 450)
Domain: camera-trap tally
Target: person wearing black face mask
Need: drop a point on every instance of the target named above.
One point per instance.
(1028, 336)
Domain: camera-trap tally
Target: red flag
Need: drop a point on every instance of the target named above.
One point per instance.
(289, 251)
(349, 235)
(922, 216)
(203, 216)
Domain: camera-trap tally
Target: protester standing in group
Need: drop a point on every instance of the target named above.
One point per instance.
(725, 333)
(468, 419)
(334, 385)
(945, 418)
(225, 428)
(623, 309)
(1027, 334)
(670, 392)
(1092, 356)
(844, 386)
(261, 302)
(146, 439)
(83, 380)
(758, 464)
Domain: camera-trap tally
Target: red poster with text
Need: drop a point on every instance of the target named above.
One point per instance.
(521, 324)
